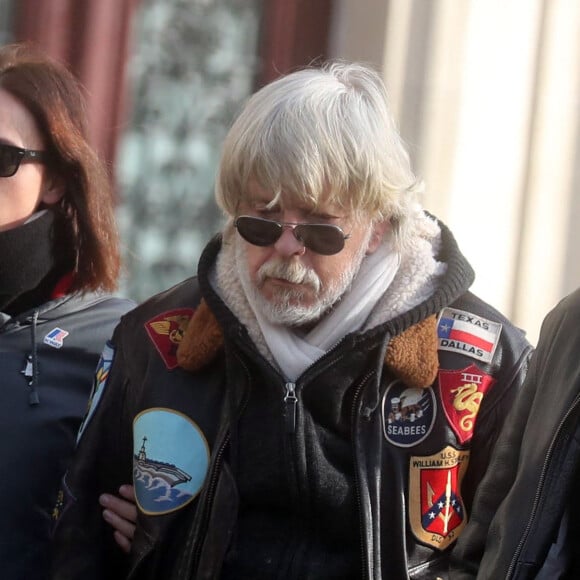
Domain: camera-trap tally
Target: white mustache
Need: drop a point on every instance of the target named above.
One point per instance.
(292, 272)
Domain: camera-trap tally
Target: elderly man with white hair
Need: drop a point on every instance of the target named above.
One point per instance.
(322, 399)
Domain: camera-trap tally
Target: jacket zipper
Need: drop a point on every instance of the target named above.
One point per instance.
(365, 573)
(540, 488)
(291, 401)
(212, 484)
(30, 371)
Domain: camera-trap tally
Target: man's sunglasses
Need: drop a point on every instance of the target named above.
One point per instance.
(325, 239)
(11, 157)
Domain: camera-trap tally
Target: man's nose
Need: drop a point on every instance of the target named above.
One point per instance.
(288, 244)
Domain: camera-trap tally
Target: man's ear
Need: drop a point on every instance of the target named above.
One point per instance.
(378, 233)
(52, 189)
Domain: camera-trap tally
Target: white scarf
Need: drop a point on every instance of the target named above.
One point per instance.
(409, 278)
(294, 351)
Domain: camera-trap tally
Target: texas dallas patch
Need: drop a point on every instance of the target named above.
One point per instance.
(408, 414)
(463, 332)
(170, 462)
(436, 509)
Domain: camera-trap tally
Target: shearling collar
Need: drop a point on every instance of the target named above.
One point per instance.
(411, 356)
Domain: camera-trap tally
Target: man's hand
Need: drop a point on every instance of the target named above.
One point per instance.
(121, 514)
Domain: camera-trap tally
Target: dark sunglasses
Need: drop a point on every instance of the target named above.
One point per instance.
(11, 157)
(325, 239)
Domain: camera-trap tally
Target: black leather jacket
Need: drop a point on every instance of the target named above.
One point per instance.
(530, 483)
(406, 422)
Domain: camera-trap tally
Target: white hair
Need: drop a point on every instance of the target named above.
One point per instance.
(321, 135)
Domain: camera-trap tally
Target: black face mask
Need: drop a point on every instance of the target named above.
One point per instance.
(26, 260)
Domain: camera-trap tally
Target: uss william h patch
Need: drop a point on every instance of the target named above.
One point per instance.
(436, 508)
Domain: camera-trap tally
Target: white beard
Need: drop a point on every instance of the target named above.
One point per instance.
(286, 307)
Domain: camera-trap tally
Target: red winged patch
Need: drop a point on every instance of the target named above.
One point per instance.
(166, 332)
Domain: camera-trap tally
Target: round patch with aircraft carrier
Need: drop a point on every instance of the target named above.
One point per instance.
(408, 414)
(170, 460)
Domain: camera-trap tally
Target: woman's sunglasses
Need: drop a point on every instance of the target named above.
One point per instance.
(11, 157)
(325, 239)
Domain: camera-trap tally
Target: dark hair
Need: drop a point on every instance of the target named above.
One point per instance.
(85, 224)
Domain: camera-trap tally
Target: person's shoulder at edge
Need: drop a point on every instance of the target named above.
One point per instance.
(561, 322)
(570, 304)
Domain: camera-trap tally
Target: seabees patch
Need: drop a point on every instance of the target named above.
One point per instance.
(462, 392)
(166, 332)
(468, 334)
(436, 509)
(408, 414)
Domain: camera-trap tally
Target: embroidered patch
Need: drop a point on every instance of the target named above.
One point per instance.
(170, 461)
(436, 510)
(99, 382)
(166, 332)
(461, 394)
(463, 332)
(408, 414)
(55, 337)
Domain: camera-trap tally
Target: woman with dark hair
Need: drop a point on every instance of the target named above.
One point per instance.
(59, 259)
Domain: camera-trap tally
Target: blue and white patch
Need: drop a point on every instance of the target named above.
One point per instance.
(55, 337)
(99, 382)
(170, 460)
(408, 414)
(468, 334)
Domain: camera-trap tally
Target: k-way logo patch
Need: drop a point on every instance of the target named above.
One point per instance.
(55, 337)
(462, 392)
(463, 332)
(436, 509)
(166, 332)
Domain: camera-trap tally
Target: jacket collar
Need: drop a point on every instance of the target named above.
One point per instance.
(411, 355)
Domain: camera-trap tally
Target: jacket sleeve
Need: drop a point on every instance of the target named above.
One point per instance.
(83, 544)
(503, 469)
